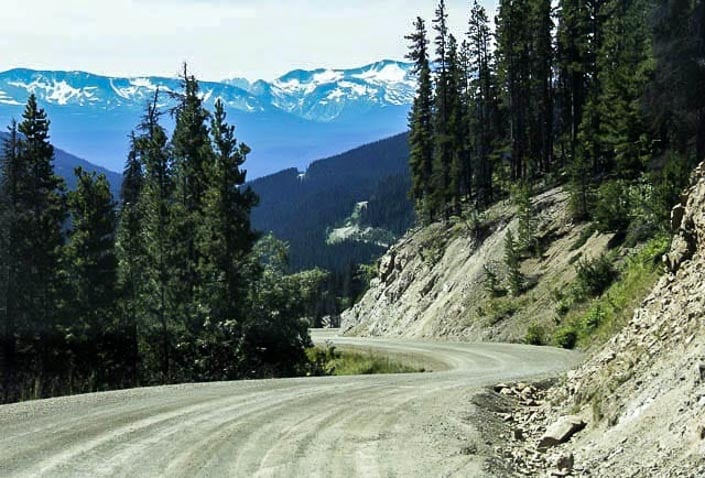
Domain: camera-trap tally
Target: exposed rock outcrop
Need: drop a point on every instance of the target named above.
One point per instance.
(432, 282)
(645, 390)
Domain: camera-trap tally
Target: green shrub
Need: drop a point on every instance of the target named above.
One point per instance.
(499, 309)
(491, 280)
(594, 277)
(592, 320)
(535, 335)
(612, 210)
(566, 337)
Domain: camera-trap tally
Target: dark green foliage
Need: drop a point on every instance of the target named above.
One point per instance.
(527, 234)
(594, 277)
(535, 335)
(492, 283)
(566, 337)
(91, 276)
(225, 237)
(275, 336)
(302, 208)
(612, 210)
(515, 279)
(420, 123)
(36, 210)
(163, 288)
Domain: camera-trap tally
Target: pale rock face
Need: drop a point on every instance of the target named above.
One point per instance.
(644, 391)
(431, 283)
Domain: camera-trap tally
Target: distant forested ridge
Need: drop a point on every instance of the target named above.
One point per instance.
(65, 163)
(170, 283)
(605, 97)
(300, 208)
(303, 209)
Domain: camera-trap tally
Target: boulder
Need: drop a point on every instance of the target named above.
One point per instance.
(561, 431)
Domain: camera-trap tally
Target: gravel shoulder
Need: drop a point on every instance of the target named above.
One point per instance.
(382, 425)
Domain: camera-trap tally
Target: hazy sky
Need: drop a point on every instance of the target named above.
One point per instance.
(218, 38)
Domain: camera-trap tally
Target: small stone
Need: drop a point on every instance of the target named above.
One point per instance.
(566, 462)
(499, 387)
(561, 431)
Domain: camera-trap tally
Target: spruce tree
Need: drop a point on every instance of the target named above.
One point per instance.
(225, 237)
(192, 157)
(420, 123)
(92, 264)
(11, 175)
(157, 205)
(132, 256)
(482, 110)
(515, 279)
(441, 193)
(625, 67)
(38, 238)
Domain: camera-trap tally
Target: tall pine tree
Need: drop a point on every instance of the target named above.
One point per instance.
(420, 123)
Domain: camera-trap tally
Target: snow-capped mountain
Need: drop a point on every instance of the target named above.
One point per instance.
(317, 95)
(290, 121)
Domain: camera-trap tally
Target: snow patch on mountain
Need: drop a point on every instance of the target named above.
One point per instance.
(320, 95)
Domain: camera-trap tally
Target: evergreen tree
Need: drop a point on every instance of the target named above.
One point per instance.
(540, 86)
(444, 148)
(420, 123)
(460, 162)
(131, 253)
(157, 206)
(526, 234)
(625, 67)
(574, 62)
(40, 208)
(226, 238)
(515, 278)
(677, 104)
(192, 156)
(91, 264)
(12, 176)
(482, 111)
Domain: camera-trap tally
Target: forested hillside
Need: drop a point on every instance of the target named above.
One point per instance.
(302, 208)
(600, 96)
(591, 105)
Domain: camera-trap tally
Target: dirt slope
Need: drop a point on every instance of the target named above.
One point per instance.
(430, 283)
(381, 425)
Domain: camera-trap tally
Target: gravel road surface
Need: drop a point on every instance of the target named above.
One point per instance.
(369, 426)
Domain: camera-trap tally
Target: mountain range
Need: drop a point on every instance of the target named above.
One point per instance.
(288, 122)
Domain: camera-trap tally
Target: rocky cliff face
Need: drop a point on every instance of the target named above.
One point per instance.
(643, 393)
(432, 282)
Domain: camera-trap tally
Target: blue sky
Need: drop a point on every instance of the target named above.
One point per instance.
(218, 38)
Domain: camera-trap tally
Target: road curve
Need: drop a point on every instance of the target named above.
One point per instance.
(381, 425)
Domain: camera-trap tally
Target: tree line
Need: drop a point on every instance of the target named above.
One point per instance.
(168, 284)
(604, 96)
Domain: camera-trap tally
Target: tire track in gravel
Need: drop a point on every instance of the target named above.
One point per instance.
(382, 425)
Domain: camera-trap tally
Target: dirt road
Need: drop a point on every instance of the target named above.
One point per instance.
(369, 426)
